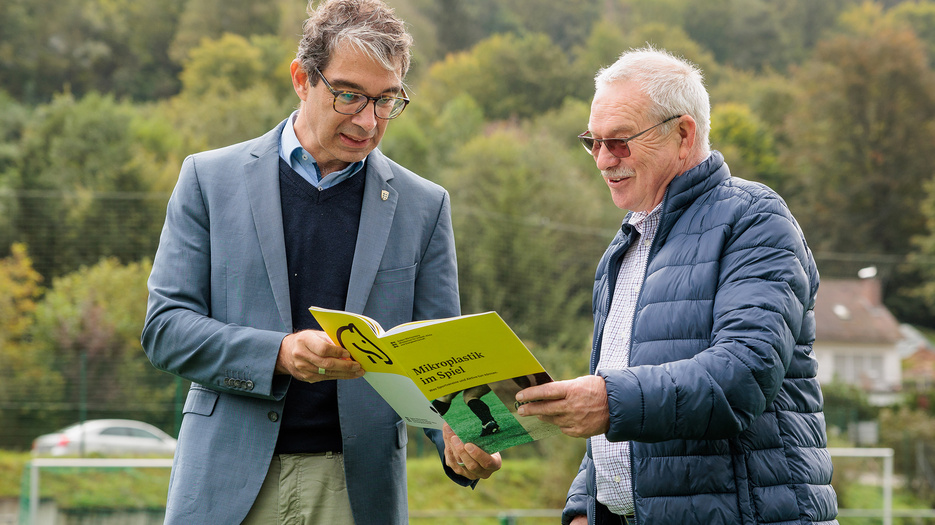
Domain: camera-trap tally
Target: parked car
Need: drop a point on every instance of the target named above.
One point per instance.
(108, 437)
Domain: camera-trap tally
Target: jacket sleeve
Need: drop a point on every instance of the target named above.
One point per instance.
(718, 331)
(578, 500)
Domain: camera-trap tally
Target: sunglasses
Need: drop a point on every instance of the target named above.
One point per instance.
(617, 147)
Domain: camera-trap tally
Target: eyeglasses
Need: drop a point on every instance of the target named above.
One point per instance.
(351, 103)
(617, 147)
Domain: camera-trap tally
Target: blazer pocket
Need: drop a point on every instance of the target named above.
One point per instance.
(200, 401)
(402, 434)
(391, 296)
(395, 275)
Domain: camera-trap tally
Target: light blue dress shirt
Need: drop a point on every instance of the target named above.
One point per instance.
(305, 165)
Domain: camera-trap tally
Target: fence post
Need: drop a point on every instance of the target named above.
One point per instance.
(33, 491)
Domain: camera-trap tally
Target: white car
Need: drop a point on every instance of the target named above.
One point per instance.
(108, 437)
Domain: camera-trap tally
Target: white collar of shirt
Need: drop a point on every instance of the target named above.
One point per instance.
(645, 222)
(291, 150)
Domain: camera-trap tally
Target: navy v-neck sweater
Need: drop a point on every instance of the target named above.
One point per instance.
(320, 228)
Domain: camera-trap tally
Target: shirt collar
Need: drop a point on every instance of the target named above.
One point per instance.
(289, 142)
(291, 150)
(646, 222)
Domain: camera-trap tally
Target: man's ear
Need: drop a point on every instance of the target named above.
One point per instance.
(299, 79)
(686, 131)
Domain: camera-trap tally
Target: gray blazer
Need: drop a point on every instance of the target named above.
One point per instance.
(219, 307)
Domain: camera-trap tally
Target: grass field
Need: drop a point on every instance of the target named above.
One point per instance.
(468, 427)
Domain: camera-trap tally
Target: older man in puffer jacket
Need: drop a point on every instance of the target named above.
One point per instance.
(702, 406)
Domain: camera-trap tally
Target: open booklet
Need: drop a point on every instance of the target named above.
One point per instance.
(463, 370)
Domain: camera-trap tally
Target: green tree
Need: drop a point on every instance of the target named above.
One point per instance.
(424, 137)
(114, 46)
(209, 19)
(921, 260)
(13, 119)
(459, 26)
(668, 12)
(860, 142)
(233, 89)
(28, 388)
(920, 17)
(507, 75)
(805, 22)
(133, 40)
(911, 434)
(90, 321)
(81, 191)
(746, 143)
(567, 22)
(602, 47)
(761, 34)
(527, 233)
(771, 96)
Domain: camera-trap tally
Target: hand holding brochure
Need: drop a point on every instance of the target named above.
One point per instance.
(464, 370)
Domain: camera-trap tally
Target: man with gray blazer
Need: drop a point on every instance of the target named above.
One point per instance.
(278, 424)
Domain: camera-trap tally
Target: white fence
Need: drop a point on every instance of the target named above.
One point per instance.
(39, 463)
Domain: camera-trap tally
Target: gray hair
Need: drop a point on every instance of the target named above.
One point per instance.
(370, 26)
(675, 85)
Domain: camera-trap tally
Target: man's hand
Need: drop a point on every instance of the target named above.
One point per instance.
(468, 459)
(577, 406)
(310, 356)
(579, 520)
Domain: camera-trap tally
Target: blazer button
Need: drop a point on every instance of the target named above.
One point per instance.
(273, 416)
(248, 385)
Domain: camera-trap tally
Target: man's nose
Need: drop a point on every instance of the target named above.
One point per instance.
(367, 117)
(605, 159)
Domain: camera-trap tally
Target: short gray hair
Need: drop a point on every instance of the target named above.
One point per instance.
(675, 85)
(367, 25)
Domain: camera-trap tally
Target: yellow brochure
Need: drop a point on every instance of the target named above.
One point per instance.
(463, 370)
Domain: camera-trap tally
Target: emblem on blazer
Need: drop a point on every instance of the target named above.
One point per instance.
(350, 335)
(384, 195)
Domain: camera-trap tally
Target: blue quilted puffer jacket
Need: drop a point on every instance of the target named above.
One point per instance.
(720, 402)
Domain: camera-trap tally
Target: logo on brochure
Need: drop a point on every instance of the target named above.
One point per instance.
(350, 336)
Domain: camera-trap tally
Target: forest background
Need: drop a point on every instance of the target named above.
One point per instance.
(831, 103)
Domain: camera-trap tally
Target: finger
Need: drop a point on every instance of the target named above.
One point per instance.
(480, 463)
(319, 343)
(336, 367)
(323, 374)
(542, 409)
(455, 457)
(548, 391)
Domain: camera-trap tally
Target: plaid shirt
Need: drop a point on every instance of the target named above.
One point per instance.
(612, 459)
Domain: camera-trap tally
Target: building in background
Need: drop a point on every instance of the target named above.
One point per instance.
(859, 342)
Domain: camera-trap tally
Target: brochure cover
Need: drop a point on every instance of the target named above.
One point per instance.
(463, 370)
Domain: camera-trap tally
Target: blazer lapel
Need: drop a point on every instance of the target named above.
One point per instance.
(376, 217)
(262, 178)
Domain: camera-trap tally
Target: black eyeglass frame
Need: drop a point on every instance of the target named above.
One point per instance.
(589, 142)
(394, 112)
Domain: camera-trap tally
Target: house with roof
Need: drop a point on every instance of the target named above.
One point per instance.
(858, 341)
